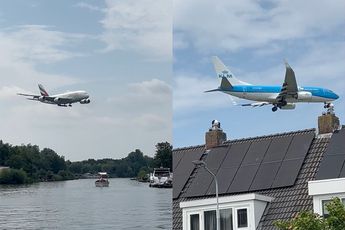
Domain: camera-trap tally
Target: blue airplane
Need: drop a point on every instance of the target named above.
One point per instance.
(282, 97)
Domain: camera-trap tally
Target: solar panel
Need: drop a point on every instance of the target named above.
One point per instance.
(184, 169)
(287, 173)
(330, 167)
(342, 173)
(177, 156)
(252, 165)
(256, 152)
(277, 149)
(224, 177)
(299, 146)
(200, 183)
(265, 176)
(235, 154)
(243, 178)
(337, 143)
(215, 157)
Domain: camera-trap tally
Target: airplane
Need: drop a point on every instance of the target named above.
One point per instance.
(62, 99)
(282, 97)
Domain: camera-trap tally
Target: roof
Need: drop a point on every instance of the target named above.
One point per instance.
(246, 165)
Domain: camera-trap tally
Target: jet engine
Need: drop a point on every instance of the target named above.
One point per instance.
(56, 99)
(85, 101)
(303, 95)
(289, 106)
(41, 98)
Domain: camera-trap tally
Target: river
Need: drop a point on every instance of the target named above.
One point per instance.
(79, 205)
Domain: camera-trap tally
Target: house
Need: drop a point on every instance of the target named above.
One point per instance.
(261, 179)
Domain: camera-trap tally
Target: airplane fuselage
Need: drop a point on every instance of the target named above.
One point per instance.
(270, 93)
(68, 98)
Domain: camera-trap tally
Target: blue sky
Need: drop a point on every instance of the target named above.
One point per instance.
(118, 51)
(253, 38)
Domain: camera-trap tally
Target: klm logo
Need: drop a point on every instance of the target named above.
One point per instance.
(225, 74)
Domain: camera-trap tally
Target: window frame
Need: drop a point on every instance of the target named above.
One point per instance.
(328, 198)
(237, 223)
(253, 202)
(234, 209)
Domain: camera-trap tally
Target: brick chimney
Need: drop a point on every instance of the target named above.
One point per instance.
(328, 122)
(215, 136)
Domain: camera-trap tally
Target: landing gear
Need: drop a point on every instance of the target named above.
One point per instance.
(283, 103)
(274, 108)
(70, 105)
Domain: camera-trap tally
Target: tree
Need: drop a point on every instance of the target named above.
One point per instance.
(13, 176)
(311, 221)
(163, 156)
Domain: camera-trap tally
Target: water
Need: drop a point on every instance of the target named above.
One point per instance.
(78, 204)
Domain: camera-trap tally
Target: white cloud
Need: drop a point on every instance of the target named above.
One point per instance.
(141, 26)
(37, 43)
(153, 95)
(232, 25)
(88, 6)
(23, 48)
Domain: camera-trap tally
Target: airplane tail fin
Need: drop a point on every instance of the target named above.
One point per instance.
(42, 90)
(224, 73)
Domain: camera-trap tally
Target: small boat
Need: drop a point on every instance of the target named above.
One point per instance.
(102, 181)
(161, 178)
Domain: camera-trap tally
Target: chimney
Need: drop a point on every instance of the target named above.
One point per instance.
(215, 136)
(328, 122)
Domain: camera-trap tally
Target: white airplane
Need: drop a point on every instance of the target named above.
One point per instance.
(62, 99)
(282, 97)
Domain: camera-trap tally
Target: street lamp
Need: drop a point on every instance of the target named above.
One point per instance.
(204, 165)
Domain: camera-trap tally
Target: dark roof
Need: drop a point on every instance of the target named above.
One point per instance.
(333, 163)
(301, 149)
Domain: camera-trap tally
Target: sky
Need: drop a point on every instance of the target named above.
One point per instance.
(253, 37)
(120, 52)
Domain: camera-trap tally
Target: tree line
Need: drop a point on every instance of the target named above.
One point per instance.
(29, 164)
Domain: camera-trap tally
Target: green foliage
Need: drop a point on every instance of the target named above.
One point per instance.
(312, 221)
(125, 167)
(13, 176)
(143, 174)
(336, 218)
(163, 156)
(47, 165)
(37, 165)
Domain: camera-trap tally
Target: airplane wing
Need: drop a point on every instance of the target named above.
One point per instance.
(257, 104)
(289, 88)
(28, 95)
(50, 99)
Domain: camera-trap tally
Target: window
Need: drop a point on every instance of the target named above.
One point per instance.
(242, 220)
(239, 212)
(194, 222)
(210, 220)
(226, 219)
(325, 212)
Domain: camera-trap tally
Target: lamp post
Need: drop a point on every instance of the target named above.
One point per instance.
(204, 165)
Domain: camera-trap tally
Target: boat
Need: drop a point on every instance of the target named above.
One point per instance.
(161, 178)
(102, 180)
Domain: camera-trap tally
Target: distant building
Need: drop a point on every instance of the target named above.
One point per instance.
(261, 179)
